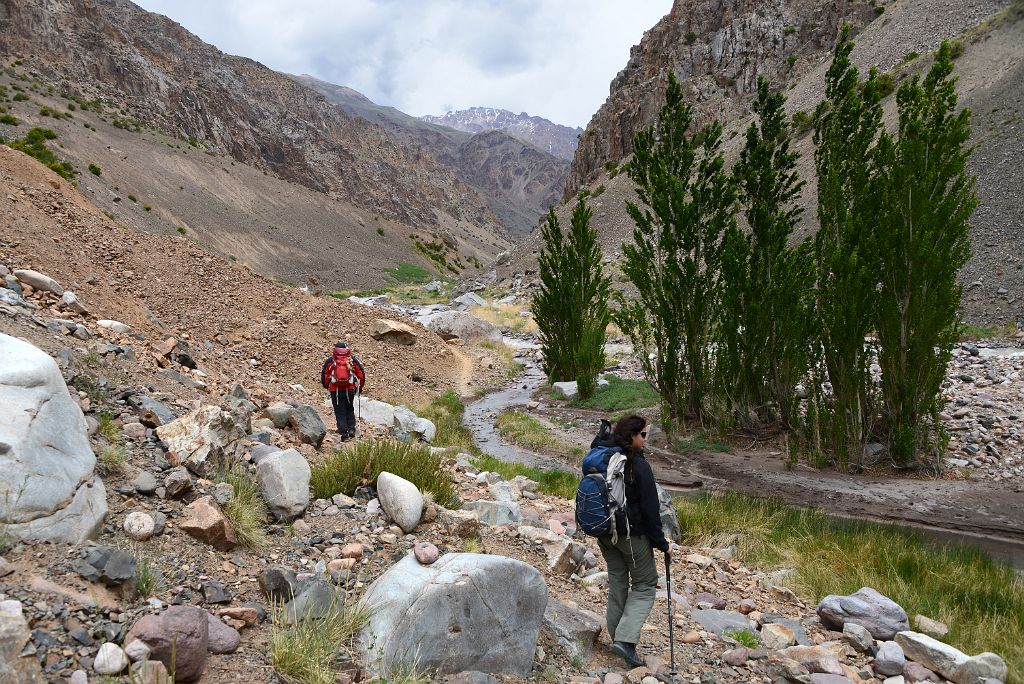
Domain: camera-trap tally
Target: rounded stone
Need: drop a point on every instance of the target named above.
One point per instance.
(110, 660)
(140, 526)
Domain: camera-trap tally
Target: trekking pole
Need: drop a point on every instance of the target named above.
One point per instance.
(671, 616)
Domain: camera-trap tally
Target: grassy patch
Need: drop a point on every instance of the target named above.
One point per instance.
(528, 432)
(552, 482)
(34, 145)
(970, 333)
(247, 510)
(148, 579)
(446, 412)
(307, 652)
(108, 429)
(621, 394)
(410, 274)
(113, 458)
(364, 461)
(980, 599)
(507, 356)
(744, 636)
(507, 316)
(700, 442)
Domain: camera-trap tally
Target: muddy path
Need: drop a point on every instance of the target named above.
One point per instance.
(982, 513)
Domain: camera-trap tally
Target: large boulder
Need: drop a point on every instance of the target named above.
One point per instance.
(574, 628)
(409, 426)
(464, 612)
(467, 327)
(564, 555)
(38, 281)
(178, 638)
(880, 615)
(375, 412)
(284, 479)
(49, 490)
(495, 512)
(386, 330)
(950, 662)
(18, 663)
(468, 301)
(401, 500)
(203, 441)
(310, 426)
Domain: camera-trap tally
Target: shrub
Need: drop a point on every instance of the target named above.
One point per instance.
(526, 431)
(446, 412)
(20, 97)
(148, 578)
(113, 458)
(621, 394)
(598, 191)
(181, 230)
(108, 429)
(802, 121)
(34, 145)
(9, 119)
(361, 463)
(247, 509)
(133, 198)
(691, 37)
(307, 651)
(380, 231)
(95, 170)
(885, 82)
(791, 60)
(744, 636)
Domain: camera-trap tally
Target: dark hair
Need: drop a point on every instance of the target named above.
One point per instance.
(625, 430)
(340, 345)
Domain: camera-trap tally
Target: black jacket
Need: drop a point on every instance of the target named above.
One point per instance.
(642, 504)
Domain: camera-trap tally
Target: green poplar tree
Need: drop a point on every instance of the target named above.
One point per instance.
(924, 241)
(688, 203)
(766, 282)
(847, 126)
(571, 307)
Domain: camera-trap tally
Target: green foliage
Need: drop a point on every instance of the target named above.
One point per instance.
(700, 442)
(762, 350)
(133, 198)
(380, 231)
(744, 636)
(571, 306)
(691, 37)
(247, 509)
(552, 482)
(181, 230)
(410, 274)
(362, 462)
(20, 97)
(791, 61)
(923, 241)
(95, 170)
(621, 394)
(847, 124)
(108, 429)
(526, 431)
(9, 119)
(307, 652)
(598, 191)
(113, 459)
(446, 412)
(980, 599)
(49, 111)
(910, 57)
(34, 145)
(886, 83)
(802, 121)
(147, 207)
(148, 578)
(674, 259)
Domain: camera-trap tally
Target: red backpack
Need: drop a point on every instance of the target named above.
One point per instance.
(337, 373)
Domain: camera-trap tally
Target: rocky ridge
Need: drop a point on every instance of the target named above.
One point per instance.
(553, 138)
(516, 177)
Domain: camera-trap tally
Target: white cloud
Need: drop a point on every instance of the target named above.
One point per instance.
(552, 58)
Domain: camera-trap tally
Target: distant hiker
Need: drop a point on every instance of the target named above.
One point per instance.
(628, 537)
(343, 376)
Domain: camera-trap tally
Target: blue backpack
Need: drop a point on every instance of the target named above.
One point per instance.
(602, 492)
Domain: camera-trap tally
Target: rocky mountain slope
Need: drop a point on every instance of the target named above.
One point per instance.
(145, 74)
(720, 58)
(554, 138)
(517, 180)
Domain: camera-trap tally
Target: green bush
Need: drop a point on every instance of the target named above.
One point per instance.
(410, 274)
(247, 509)
(9, 119)
(20, 97)
(95, 170)
(133, 198)
(802, 121)
(361, 463)
(446, 412)
(34, 145)
(621, 394)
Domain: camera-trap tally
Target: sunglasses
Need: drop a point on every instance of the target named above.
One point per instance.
(644, 434)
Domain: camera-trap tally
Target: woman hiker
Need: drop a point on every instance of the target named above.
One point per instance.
(343, 376)
(632, 572)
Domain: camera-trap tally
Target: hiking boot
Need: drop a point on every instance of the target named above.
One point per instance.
(628, 653)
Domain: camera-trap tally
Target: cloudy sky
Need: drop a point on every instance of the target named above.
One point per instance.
(552, 58)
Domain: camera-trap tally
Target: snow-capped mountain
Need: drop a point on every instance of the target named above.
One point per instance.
(551, 137)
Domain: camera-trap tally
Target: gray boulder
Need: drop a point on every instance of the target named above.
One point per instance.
(408, 425)
(49, 490)
(309, 425)
(721, 621)
(452, 324)
(375, 412)
(18, 663)
(568, 389)
(396, 332)
(574, 628)
(890, 660)
(151, 412)
(495, 512)
(464, 612)
(467, 301)
(401, 500)
(279, 413)
(950, 662)
(881, 616)
(284, 479)
(202, 441)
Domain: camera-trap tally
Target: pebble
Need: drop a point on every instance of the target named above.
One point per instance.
(426, 553)
(110, 660)
(139, 525)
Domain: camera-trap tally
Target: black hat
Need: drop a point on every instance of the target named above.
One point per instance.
(340, 345)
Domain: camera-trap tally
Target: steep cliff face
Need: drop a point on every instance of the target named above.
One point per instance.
(717, 49)
(159, 73)
(551, 137)
(517, 180)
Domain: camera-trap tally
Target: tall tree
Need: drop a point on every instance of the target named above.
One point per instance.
(923, 239)
(766, 282)
(688, 203)
(847, 126)
(571, 307)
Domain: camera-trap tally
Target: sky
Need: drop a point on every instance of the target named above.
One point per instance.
(550, 58)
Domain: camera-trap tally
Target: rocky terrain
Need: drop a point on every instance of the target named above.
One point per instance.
(157, 87)
(515, 176)
(718, 53)
(553, 138)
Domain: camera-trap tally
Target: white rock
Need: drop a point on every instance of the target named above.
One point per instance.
(401, 500)
(139, 525)
(114, 326)
(49, 490)
(858, 637)
(202, 439)
(569, 390)
(284, 478)
(375, 412)
(72, 302)
(137, 650)
(984, 666)
(38, 281)
(110, 660)
(931, 653)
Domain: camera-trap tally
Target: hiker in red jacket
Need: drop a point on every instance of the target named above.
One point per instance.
(343, 376)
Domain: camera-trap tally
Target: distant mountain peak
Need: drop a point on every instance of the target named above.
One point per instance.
(553, 138)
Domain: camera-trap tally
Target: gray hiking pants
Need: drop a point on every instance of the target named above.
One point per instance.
(632, 583)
